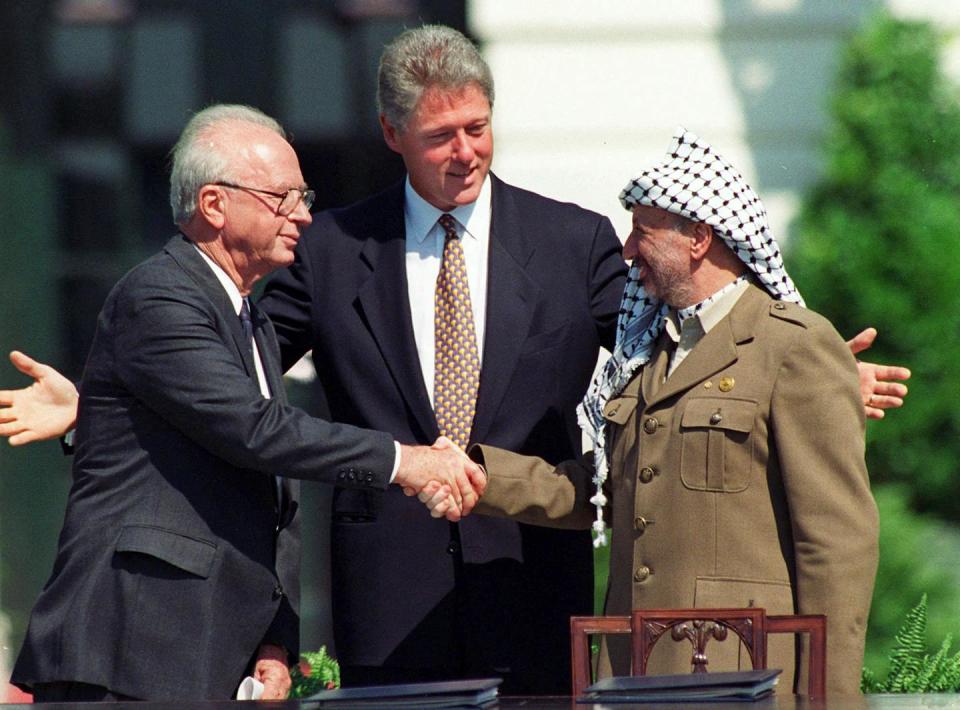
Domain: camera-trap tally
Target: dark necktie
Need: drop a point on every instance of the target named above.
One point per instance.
(246, 322)
(457, 373)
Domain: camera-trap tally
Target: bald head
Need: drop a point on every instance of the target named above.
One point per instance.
(202, 155)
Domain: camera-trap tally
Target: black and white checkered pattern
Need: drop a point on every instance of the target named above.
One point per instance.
(694, 182)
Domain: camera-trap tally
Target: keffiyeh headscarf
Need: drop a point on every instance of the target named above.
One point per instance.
(694, 182)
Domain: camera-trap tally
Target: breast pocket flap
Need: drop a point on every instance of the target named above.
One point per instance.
(189, 554)
(719, 413)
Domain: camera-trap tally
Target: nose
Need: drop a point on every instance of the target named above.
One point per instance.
(630, 251)
(301, 215)
(463, 148)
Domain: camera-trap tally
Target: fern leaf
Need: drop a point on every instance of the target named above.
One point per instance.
(316, 671)
(905, 658)
(949, 679)
(932, 669)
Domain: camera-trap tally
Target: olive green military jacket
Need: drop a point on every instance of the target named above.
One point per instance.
(740, 481)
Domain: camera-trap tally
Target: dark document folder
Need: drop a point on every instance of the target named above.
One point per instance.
(688, 687)
(448, 694)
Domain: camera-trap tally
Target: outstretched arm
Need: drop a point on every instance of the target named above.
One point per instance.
(877, 389)
(46, 409)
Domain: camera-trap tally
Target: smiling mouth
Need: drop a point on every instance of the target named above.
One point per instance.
(462, 176)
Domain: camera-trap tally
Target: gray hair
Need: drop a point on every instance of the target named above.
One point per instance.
(196, 163)
(431, 55)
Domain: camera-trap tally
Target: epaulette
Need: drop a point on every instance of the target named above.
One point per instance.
(792, 313)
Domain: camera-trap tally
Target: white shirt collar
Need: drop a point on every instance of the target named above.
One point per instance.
(709, 311)
(421, 216)
(228, 285)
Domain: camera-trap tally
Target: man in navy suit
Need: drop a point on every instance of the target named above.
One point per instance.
(178, 562)
(482, 596)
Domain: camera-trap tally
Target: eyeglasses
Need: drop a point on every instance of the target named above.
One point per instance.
(289, 200)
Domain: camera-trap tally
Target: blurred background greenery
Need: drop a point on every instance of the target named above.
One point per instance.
(878, 242)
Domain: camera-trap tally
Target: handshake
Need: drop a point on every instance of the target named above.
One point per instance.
(443, 477)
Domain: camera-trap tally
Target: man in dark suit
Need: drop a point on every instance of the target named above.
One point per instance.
(483, 596)
(178, 561)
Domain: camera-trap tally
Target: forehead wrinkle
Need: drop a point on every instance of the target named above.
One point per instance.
(256, 155)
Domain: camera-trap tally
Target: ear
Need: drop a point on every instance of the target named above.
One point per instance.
(211, 207)
(701, 240)
(390, 134)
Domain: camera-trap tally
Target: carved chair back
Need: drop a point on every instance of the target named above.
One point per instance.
(698, 627)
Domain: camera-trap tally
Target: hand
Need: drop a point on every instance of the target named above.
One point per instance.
(875, 389)
(479, 482)
(44, 410)
(436, 496)
(446, 464)
(271, 670)
(438, 499)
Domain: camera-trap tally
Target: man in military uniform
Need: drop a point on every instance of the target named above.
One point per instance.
(731, 424)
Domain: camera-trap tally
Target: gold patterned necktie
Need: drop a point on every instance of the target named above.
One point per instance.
(457, 373)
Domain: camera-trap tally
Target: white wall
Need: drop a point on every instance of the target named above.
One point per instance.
(589, 92)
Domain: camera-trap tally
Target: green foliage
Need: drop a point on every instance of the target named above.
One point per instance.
(601, 570)
(316, 672)
(911, 669)
(904, 575)
(878, 243)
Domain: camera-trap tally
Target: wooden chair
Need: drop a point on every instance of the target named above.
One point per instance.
(699, 627)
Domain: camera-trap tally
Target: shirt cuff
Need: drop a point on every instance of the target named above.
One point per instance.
(396, 461)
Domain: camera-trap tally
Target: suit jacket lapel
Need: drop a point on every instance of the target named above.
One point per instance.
(656, 369)
(511, 297)
(270, 359)
(383, 300)
(185, 253)
(266, 338)
(269, 350)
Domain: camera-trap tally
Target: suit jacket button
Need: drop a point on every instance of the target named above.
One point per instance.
(716, 418)
(641, 574)
(453, 547)
(640, 524)
(278, 591)
(369, 478)
(646, 474)
(650, 425)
